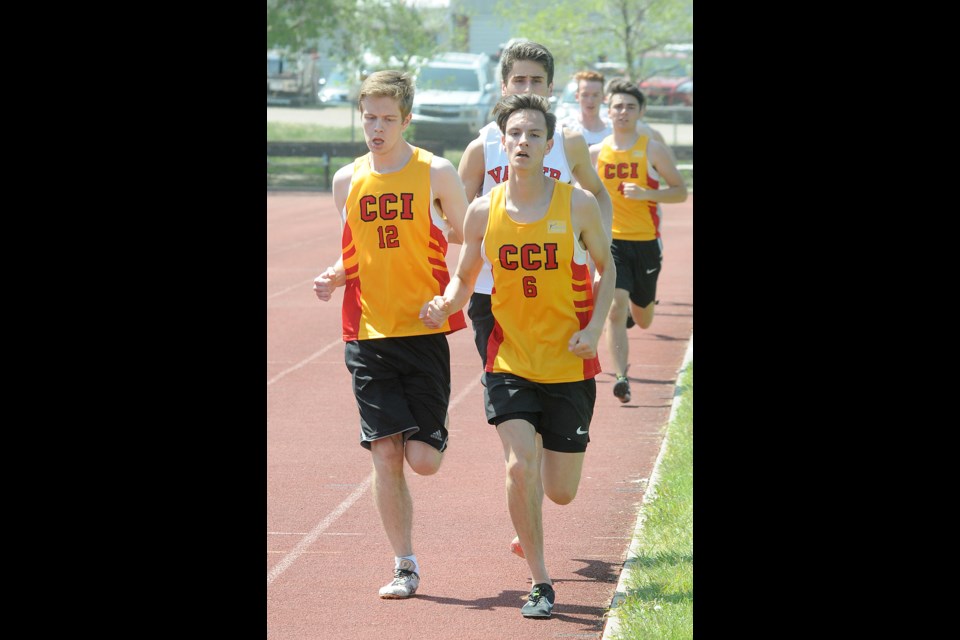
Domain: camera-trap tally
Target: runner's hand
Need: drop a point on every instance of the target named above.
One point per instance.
(325, 283)
(434, 313)
(583, 344)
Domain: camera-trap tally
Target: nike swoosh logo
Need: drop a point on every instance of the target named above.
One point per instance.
(580, 432)
(649, 271)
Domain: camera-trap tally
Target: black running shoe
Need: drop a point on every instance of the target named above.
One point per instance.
(621, 389)
(539, 602)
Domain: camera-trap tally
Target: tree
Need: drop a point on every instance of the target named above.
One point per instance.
(583, 32)
(294, 24)
(398, 33)
(392, 30)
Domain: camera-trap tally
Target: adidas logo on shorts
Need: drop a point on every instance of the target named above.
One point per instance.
(437, 435)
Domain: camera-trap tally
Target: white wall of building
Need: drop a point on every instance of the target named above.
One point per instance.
(487, 30)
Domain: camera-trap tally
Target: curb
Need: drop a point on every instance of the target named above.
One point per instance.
(612, 626)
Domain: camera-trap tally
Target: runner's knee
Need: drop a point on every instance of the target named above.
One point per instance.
(643, 316)
(618, 312)
(560, 495)
(423, 459)
(387, 452)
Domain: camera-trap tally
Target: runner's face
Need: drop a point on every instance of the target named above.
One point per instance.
(382, 124)
(590, 95)
(526, 140)
(624, 111)
(527, 76)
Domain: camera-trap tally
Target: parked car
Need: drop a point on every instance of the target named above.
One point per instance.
(663, 73)
(335, 88)
(665, 76)
(455, 96)
(566, 104)
(685, 91)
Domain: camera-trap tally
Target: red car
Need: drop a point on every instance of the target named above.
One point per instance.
(667, 78)
(685, 89)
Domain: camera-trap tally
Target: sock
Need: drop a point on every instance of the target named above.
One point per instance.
(408, 563)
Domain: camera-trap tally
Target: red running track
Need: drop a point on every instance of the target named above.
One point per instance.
(327, 554)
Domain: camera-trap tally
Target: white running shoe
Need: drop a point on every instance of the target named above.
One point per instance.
(404, 585)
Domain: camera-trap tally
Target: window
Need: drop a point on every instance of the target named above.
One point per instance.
(448, 79)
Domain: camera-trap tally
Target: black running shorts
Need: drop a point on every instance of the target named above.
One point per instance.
(638, 267)
(402, 385)
(482, 319)
(562, 411)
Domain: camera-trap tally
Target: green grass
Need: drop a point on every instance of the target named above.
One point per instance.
(659, 589)
(309, 172)
(291, 132)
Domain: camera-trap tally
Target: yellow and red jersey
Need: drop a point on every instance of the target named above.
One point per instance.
(632, 219)
(394, 252)
(542, 292)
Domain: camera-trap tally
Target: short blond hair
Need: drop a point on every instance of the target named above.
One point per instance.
(389, 84)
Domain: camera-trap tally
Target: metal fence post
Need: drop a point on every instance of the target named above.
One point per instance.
(674, 115)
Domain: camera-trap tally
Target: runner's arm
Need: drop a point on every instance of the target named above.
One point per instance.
(471, 169)
(435, 312)
(585, 173)
(449, 196)
(334, 276)
(586, 220)
(676, 190)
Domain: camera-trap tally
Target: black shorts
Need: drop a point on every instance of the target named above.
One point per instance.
(482, 319)
(402, 385)
(561, 412)
(638, 267)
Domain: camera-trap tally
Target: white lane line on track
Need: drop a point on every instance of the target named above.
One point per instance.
(311, 537)
(290, 288)
(304, 362)
(295, 245)
(302, 533)
(463, 394)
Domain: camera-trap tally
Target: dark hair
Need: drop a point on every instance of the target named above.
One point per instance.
(526, 50)
(389, 84)
(622, 85)
(510, 104)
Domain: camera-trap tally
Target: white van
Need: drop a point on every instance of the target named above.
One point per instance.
(455, 96)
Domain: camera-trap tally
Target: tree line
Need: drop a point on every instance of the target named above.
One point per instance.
(578, 32)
